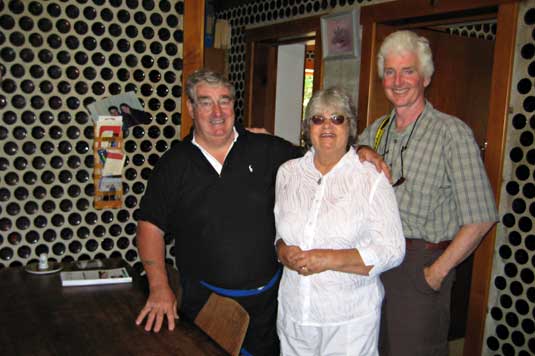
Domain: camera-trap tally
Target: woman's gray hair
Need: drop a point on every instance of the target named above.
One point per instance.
(407, 41)
(332, 99)
(209, 77)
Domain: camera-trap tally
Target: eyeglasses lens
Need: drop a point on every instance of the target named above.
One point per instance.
(335, 119)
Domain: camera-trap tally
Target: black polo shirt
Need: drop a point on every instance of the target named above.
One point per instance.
(223, 226)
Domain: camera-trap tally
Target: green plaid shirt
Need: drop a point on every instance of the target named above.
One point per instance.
(446, 184)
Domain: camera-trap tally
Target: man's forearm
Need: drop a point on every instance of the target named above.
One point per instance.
(463, 245)
(151, 247)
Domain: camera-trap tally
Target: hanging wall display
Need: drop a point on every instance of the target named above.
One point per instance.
(340, 35)
(109, 162)
(112, 116)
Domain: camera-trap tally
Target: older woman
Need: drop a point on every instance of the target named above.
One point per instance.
(338, 228)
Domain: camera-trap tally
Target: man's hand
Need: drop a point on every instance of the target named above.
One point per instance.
(160, 304)
(463, 245)
(433, 279)
(367, 154)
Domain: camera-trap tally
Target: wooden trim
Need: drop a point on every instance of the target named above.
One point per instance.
(498, 113)
(455, 21)
(272, 93)
(367, 74)
(249, 60)
(293, 40)
(284, 30)
(396, 10)
(192, 52)
(318, 63)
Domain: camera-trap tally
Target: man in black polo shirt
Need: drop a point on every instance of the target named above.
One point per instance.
(214, 193)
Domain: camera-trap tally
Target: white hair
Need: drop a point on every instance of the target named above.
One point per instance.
(407, 41)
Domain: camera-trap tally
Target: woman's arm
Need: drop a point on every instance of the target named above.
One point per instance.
(385, 245)
(320, 260)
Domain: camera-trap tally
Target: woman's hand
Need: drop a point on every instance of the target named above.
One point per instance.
(289, 256)
(321, 260)
(314, 261)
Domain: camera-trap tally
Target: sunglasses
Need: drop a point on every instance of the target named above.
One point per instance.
(335, 119)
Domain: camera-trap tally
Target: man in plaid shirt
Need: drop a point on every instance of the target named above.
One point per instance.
(444, 196)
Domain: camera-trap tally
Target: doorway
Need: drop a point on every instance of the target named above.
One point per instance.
(283, 69)
(460, 62)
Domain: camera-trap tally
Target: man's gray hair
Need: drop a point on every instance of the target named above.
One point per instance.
(208, 77)
(407, 41)
(335, 99)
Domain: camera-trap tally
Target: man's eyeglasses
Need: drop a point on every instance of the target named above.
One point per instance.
(207, 104)
(335, 119)
(401, 179)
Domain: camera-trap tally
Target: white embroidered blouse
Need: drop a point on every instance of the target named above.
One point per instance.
(352, 206)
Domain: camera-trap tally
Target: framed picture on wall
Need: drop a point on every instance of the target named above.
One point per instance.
(340, 35)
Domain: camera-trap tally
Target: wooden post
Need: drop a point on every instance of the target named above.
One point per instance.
(192, 53)
(504, 48)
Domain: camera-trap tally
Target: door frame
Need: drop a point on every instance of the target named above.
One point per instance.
(411, 13)
(281, 33)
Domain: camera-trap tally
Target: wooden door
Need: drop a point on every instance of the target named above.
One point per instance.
(462, 81)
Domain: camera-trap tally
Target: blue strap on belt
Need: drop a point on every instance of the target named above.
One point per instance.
(243, 292)
(244, 352)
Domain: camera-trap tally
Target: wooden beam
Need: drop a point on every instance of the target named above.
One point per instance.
(276, 32)
(498, 113)
(390, 11)
(192, 53)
